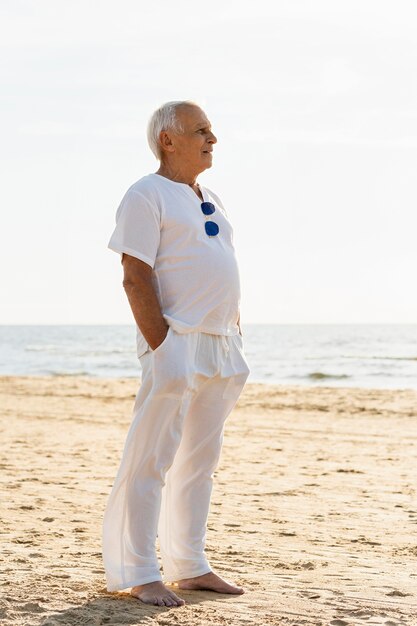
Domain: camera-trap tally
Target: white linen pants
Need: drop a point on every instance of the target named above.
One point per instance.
(190, 384)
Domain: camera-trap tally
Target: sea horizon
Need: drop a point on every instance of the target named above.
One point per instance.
(354, 355)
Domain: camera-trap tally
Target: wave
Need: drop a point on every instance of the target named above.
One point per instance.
(379, 358)
(63, 373)
(322, 376)
(74, 351)
(42, 348)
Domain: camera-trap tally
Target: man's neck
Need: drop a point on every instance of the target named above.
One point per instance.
(177, 175)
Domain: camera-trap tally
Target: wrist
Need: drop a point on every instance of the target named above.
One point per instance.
(161, 339)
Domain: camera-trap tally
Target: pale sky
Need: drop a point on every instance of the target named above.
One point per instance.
(315, 108)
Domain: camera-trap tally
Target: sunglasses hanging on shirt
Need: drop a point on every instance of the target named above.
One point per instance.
(212, 229)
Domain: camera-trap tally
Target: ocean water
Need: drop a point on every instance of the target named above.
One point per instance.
(375, 356)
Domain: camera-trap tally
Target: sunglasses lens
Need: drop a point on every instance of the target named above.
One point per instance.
(211, 228)
(208, 208)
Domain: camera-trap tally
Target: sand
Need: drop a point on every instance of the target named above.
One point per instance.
(314, 509)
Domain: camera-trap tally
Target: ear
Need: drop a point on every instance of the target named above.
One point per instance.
(165, 141)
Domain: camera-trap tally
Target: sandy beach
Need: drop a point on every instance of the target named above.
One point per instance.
(314, 509)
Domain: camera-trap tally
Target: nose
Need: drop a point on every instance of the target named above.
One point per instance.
(212, 138)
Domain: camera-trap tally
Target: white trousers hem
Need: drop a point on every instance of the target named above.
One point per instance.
(171, 578)
(134, 583)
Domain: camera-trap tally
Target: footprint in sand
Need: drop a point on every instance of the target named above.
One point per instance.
(361, 613)
(396, 592)
(32, 607)
(310, 595)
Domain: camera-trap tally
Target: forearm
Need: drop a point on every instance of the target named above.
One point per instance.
(146, 311)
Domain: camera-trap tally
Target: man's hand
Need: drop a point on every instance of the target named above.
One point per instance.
(238, 323)
(137, 283)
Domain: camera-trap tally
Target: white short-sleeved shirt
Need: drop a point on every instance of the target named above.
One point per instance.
(196, 277)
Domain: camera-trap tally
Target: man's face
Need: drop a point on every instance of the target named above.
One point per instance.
(193, 148)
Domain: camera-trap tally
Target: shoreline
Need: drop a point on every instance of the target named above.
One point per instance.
(313, 508)
(137, 380)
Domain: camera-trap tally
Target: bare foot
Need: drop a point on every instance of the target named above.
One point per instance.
(211, 582)
(156, 593)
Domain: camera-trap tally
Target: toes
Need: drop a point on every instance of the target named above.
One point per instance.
(176, 600)
(165, 599)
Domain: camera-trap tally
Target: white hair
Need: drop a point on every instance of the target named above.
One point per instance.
(165, 118)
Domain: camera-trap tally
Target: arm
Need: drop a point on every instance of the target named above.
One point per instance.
(137, 283)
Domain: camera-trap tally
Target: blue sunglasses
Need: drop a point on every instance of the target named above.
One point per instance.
(212, 228)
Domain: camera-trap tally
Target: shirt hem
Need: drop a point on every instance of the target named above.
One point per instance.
(202, 329)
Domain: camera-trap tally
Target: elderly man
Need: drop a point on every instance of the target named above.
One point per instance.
(182, 282)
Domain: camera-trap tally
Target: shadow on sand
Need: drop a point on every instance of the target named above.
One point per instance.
(121, 608)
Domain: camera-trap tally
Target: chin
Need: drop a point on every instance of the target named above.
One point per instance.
(207, 162)
(204, 166)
